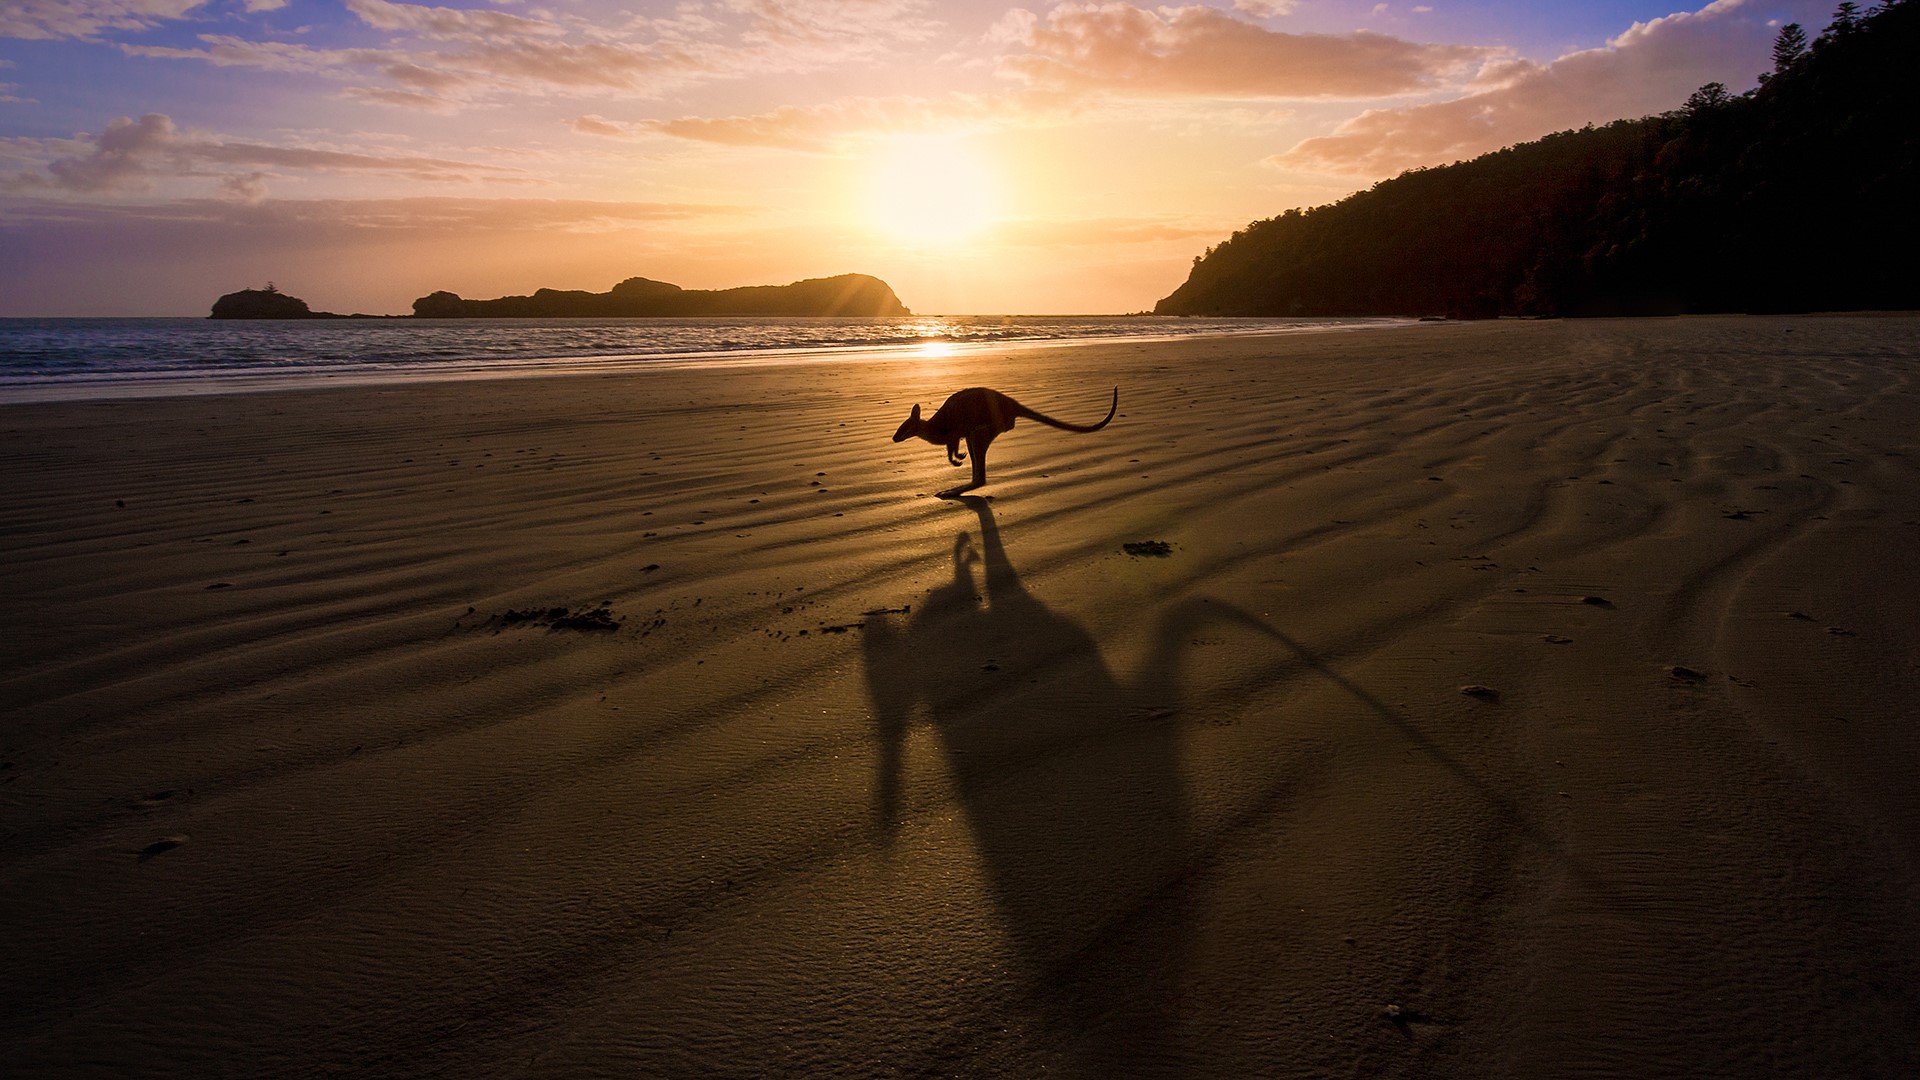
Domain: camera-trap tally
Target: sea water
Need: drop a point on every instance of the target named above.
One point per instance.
(43, 359)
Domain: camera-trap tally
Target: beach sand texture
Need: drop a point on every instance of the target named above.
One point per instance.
(1513, 699)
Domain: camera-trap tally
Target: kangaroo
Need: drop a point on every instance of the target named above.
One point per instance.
(977, 414)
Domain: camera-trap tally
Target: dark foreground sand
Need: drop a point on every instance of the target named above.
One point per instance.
(1516, 700)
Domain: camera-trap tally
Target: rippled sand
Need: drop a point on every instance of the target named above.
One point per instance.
(1514, 699)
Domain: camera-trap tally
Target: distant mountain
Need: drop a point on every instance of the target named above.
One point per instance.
(267, 303)
(1798, 195)
(847, 294)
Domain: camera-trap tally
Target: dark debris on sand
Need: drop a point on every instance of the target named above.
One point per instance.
(1158, 549)
(560, 618)
(160, 847)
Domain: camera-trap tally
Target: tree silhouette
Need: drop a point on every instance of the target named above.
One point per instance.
(1788, 47)
(1713, 95)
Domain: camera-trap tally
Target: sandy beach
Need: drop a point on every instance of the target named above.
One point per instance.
(1511, 699)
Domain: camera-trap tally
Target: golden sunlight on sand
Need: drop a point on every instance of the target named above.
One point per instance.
(1482, 700)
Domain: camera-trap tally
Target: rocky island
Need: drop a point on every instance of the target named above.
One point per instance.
(845, 294)
(267, 303)
(636, 297)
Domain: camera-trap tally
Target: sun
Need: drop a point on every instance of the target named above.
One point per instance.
(928, 191)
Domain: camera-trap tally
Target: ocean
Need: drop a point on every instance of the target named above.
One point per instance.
(55, 359)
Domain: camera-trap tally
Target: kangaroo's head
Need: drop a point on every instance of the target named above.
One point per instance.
(910, 426)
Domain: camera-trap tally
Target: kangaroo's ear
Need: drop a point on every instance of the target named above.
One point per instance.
(915, 415)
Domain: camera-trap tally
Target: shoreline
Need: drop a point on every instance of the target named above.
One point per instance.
(248, 380)
(1512, 699)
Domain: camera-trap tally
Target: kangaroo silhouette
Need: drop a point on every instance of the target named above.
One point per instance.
(978, 414)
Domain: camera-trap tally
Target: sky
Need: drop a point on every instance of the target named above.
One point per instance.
(982, 158)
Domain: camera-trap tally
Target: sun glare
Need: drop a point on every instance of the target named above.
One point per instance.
(928, 191)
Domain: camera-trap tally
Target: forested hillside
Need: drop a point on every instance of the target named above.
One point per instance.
(1797, 195)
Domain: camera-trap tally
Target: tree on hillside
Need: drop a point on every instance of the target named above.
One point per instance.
(1790, 46)
(1712, 96)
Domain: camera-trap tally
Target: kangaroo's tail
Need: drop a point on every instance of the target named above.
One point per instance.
(1064, 426)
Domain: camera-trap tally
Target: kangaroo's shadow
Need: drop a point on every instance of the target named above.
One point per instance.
(1072, 785)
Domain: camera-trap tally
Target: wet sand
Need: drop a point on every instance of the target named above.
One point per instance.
(1511, 699)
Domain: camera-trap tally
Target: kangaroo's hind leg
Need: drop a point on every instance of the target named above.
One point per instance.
(977, 443)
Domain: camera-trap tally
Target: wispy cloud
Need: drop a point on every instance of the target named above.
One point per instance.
(87, 19)
(1649, 68)
(7, 88)
(450, 24)
(442, 58)
(431, 214)
(1087, 232)
(825, 127)
(1265, 9)
(227, 50)
(1194, 51)
(132, 155)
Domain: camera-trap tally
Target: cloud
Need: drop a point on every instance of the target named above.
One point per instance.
(1120, 49)
(249, 188)
(1649, 68)
(7, 88)
(1265, 9)
(121, 155)
(226, 50)
(87, 19)
(399, 99)
(601, 126)
(449, 23)
(424, 214)
(132, 155)
(1087, 232)
(820, 128)
(840, 29)
(443, 58)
